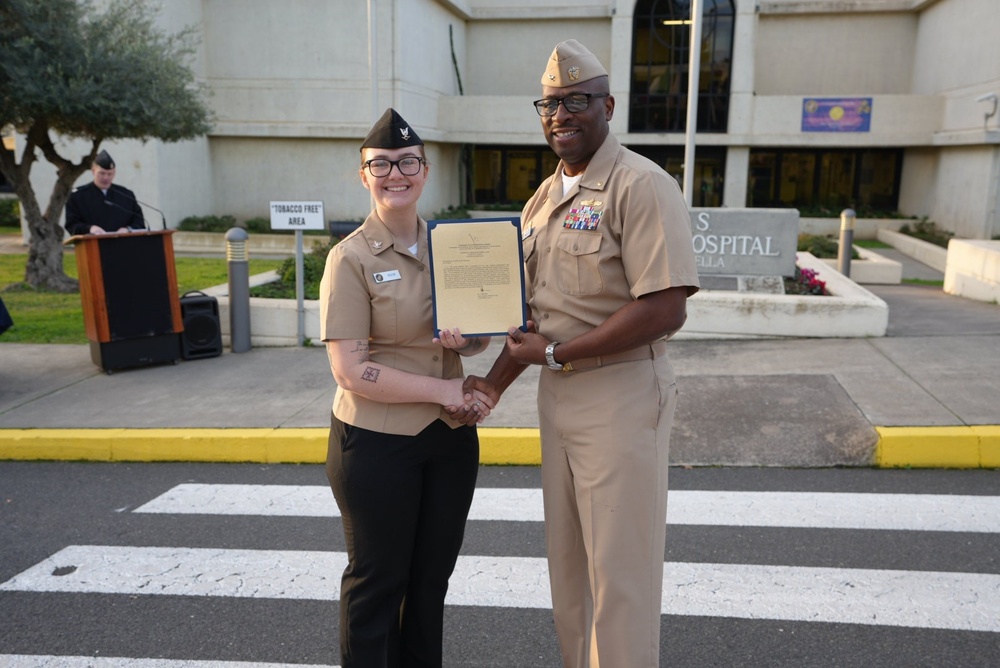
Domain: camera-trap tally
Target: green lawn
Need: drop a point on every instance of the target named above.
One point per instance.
(923, 281)
(49, 317)
(871, 243)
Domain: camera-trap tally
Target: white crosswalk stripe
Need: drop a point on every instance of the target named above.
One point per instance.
(962, 601)
(911, 512)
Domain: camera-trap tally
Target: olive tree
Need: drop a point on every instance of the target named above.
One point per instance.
(70, 69)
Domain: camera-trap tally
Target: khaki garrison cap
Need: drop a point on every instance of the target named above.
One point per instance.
(570, 64)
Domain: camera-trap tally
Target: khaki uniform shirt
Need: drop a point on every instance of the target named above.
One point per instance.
(623, 231)
(375, 290)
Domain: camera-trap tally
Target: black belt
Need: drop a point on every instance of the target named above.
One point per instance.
(647, 352)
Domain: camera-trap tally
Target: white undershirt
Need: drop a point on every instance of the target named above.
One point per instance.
(413, 248)
(570, 181)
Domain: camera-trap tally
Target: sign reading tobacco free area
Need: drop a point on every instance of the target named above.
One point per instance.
(297, 216)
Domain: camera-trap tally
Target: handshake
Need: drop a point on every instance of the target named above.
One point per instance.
(480, 396)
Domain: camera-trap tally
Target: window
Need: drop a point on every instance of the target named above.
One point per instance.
(820, 182)
(510, 174)
(709, 170)
(661, 35)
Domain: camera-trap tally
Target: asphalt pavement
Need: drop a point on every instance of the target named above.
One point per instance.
(925, 395)
(180, 565)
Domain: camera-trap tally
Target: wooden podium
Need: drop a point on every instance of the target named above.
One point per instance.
(128, 286)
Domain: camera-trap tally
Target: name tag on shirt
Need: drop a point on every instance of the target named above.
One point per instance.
(387, 276)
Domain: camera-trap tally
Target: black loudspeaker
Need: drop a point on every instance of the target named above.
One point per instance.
(202, 336)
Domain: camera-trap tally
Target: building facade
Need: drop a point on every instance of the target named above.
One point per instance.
(880, 105)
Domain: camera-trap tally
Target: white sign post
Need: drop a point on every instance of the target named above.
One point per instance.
(298, 216)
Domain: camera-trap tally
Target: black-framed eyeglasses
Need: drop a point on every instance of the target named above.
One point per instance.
(575, 103)
(408, 166)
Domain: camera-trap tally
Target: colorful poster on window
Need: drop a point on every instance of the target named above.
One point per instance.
(836, 114)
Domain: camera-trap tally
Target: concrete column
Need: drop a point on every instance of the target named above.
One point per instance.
(734, 195)
(741, 104)
(741, 86)
(991, 224)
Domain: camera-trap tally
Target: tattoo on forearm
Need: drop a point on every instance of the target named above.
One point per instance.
(370, 374)
(360, 351)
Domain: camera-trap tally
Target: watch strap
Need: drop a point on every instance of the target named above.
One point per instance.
(550, 357)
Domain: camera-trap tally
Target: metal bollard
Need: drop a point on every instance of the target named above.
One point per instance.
(238, 262)
(847, 221)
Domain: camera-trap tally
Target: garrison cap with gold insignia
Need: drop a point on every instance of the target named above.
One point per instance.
(104, 161)
(570, 64)
(391, 131)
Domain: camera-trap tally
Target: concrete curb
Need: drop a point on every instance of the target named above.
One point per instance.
(498, 446)
(938, 447)
(920, 250)
(898, 447)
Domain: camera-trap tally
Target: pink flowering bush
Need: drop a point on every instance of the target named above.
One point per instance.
(806, 282)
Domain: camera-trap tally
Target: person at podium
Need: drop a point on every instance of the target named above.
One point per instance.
(102, 207)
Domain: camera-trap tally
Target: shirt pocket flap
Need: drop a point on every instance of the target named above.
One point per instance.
(583, 243)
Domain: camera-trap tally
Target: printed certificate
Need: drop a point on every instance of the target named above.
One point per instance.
(477, 277)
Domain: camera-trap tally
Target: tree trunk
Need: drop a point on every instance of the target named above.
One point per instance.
(45, 258)
(44, 270)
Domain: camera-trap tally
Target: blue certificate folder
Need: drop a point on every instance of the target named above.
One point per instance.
(477, 275)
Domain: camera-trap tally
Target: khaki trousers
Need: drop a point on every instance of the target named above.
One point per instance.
(605, 440)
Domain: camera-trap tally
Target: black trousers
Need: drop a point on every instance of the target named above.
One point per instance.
(404, 502)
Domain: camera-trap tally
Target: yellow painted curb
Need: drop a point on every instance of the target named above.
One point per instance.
(301, 446)
(938, 447)
(152, 445)
(223, 445)
(989, 446)
(500, 446)
(67, 444)
(916, 447)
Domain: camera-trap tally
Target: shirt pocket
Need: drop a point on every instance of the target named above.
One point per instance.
(528, 246)
(578, 265)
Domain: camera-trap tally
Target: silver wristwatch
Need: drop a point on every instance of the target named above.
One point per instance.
(550, 358)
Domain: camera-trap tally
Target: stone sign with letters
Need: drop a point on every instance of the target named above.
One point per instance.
(745, 242)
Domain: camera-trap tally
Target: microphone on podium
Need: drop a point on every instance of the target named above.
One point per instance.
(119, 206)
(163, 218)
